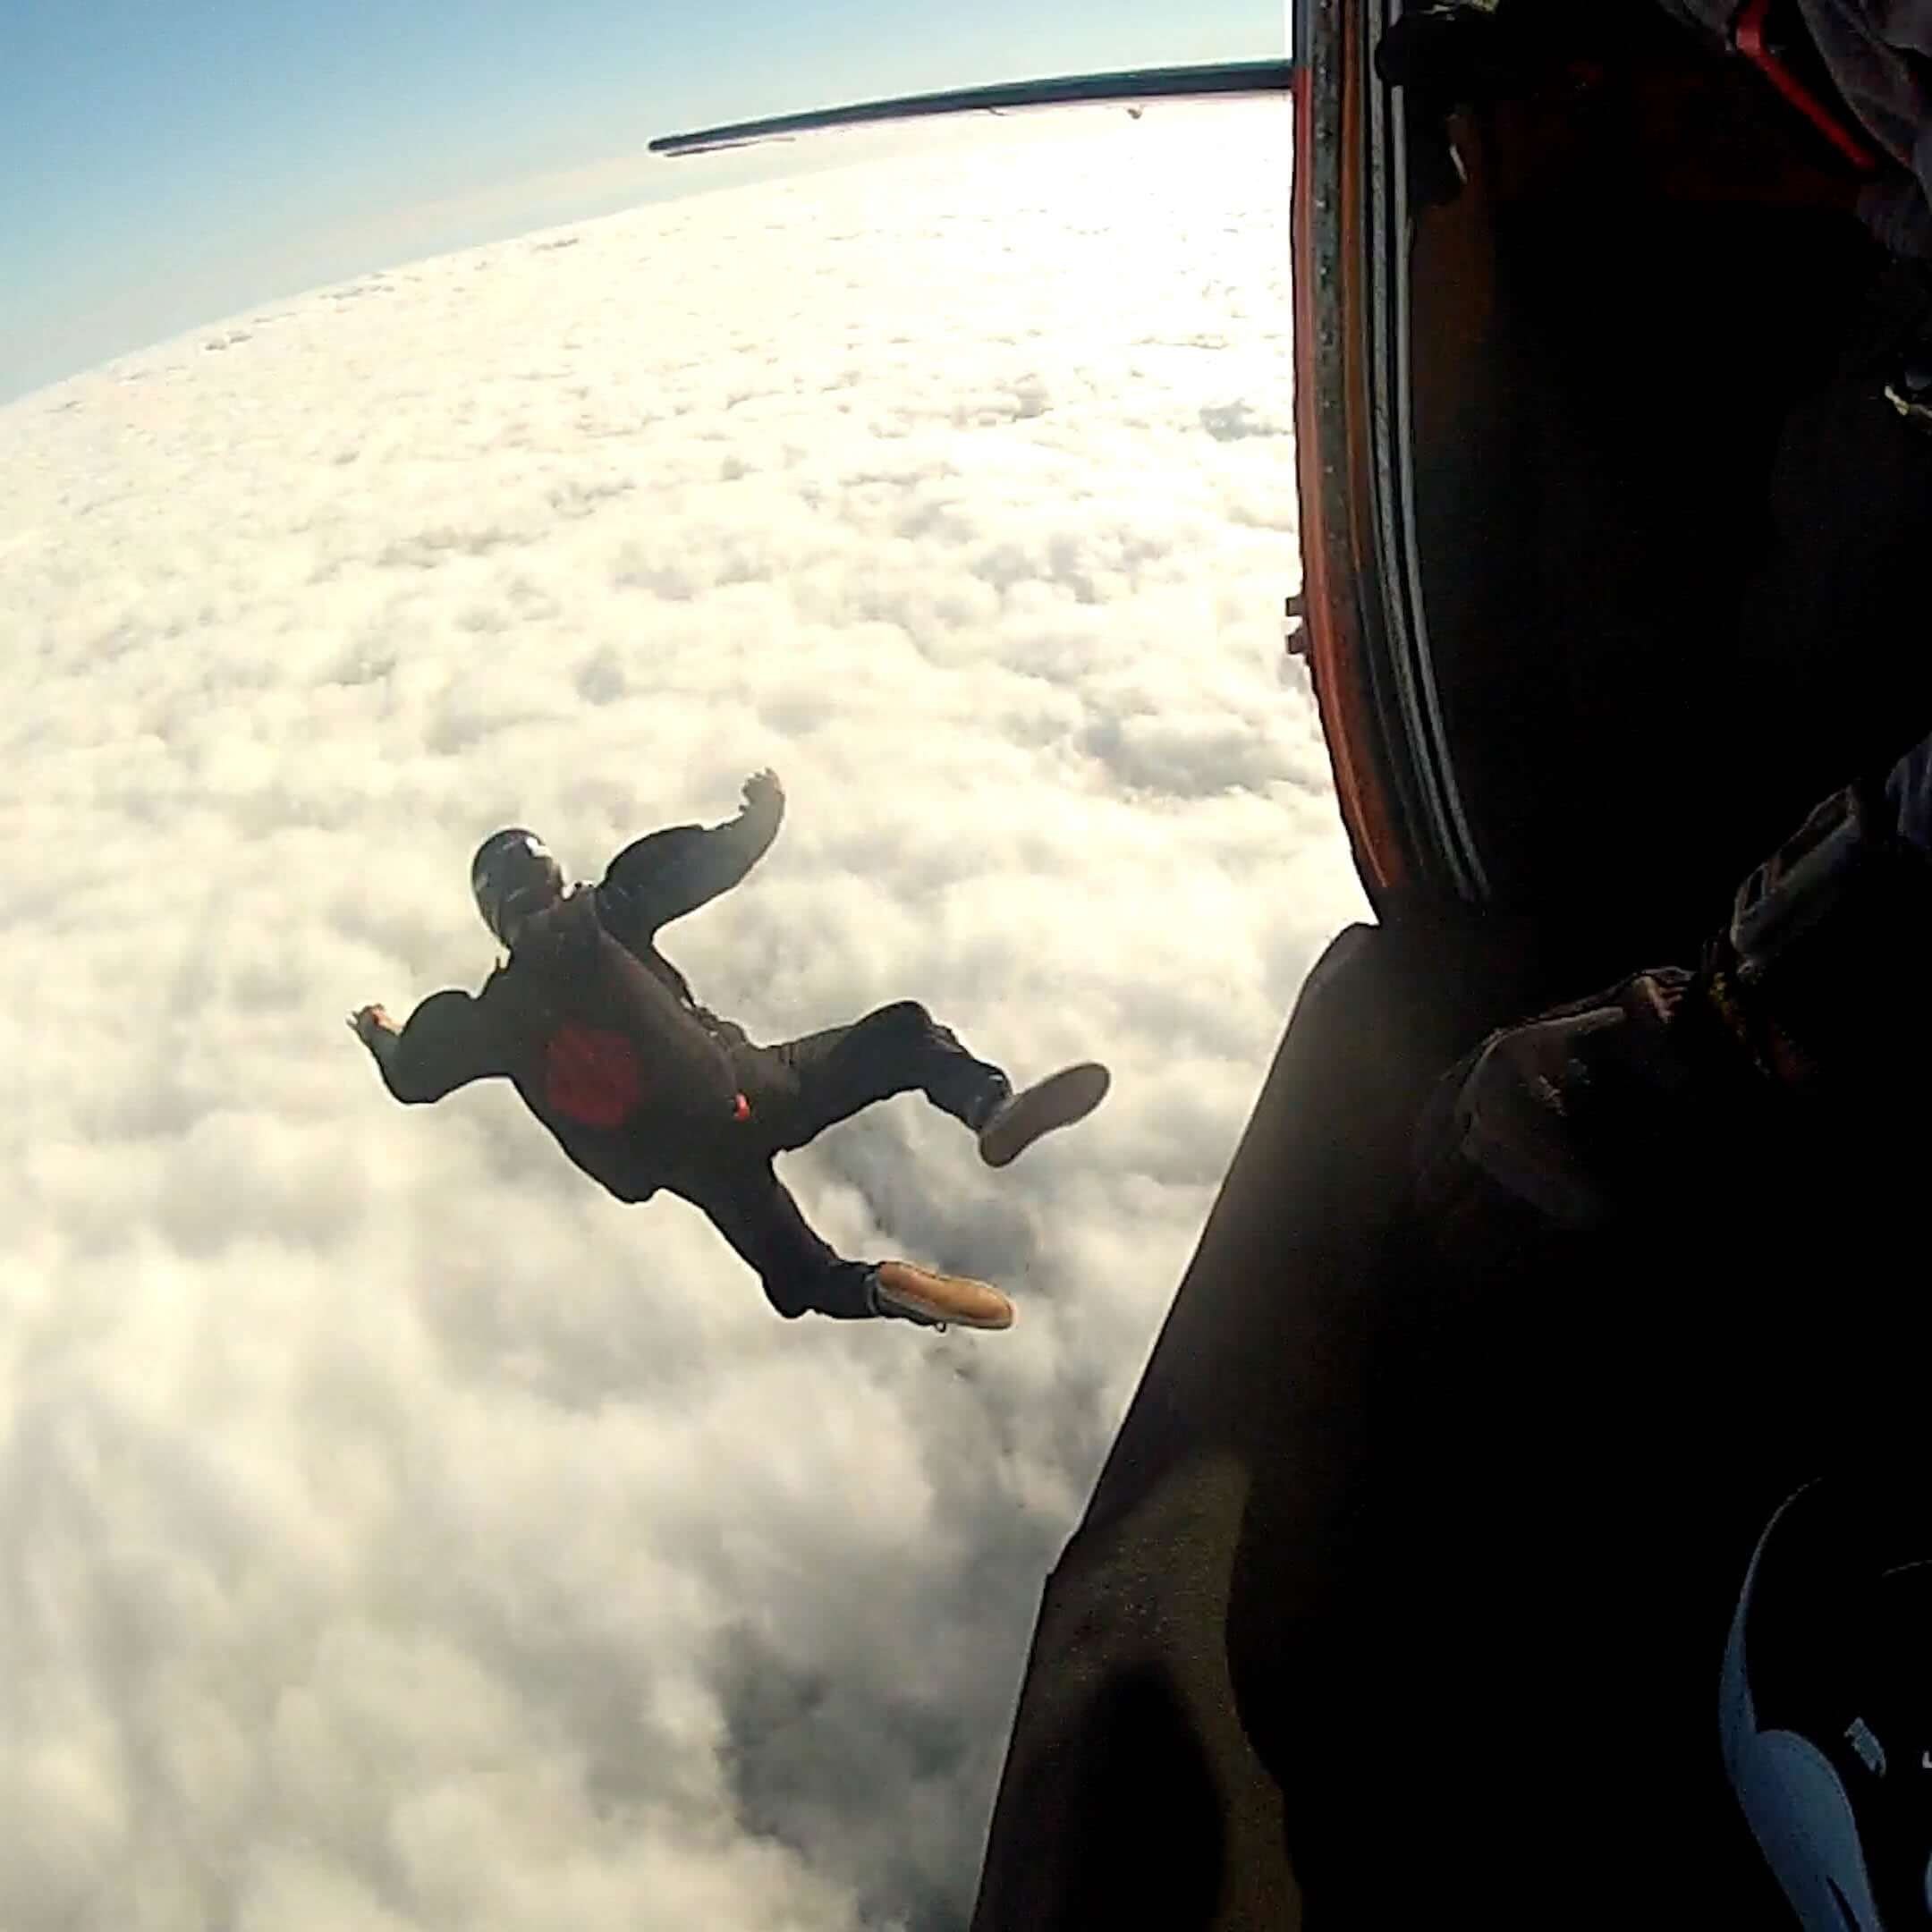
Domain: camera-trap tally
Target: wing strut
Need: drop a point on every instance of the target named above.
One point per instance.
(1131, 84)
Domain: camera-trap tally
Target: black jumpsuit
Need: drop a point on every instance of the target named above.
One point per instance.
(646, 1090)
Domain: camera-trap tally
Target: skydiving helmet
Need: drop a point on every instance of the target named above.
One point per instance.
(1825, 1705)
(513, 875)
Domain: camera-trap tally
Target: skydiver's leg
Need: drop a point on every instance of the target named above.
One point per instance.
(753, 1209)
(898, 1049)
(755, 1212)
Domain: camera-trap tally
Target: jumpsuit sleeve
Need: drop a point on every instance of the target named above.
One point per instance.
(753, 1209)
(447, 1043)
(667, 873)
(1908, 789)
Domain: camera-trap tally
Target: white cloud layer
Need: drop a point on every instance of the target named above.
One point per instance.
(398, 1533)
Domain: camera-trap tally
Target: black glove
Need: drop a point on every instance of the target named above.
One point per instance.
(1803, 1015)
(1564, 1121)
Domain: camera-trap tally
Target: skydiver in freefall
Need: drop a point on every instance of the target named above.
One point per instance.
(644, 1089)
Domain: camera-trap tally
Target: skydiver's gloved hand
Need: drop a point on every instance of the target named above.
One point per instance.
(369, 1024)
(1804, 1024)
(1558, 1125)
(1441, 55)
(1447, 55)
(376, 1029)
(1450, 53)
(764, 796)
(1445, 47)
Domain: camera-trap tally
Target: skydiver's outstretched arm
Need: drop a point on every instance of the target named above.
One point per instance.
(447, 1044)
(670, 873)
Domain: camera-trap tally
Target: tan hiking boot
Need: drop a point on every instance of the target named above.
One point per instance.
(1057, 1101)
(922, 1295)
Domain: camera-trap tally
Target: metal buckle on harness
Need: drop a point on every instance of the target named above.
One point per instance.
(1815, 937)
(1802, 882)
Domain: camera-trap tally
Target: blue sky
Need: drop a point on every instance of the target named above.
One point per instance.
(170, 165)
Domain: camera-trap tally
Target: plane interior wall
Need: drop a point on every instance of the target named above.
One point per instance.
(1649, 271)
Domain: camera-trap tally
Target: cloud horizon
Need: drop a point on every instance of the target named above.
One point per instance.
(403, 1532)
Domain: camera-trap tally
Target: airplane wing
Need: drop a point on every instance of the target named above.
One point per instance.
(1131, 84)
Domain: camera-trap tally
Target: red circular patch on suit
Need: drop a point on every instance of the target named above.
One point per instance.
(591, 1076)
